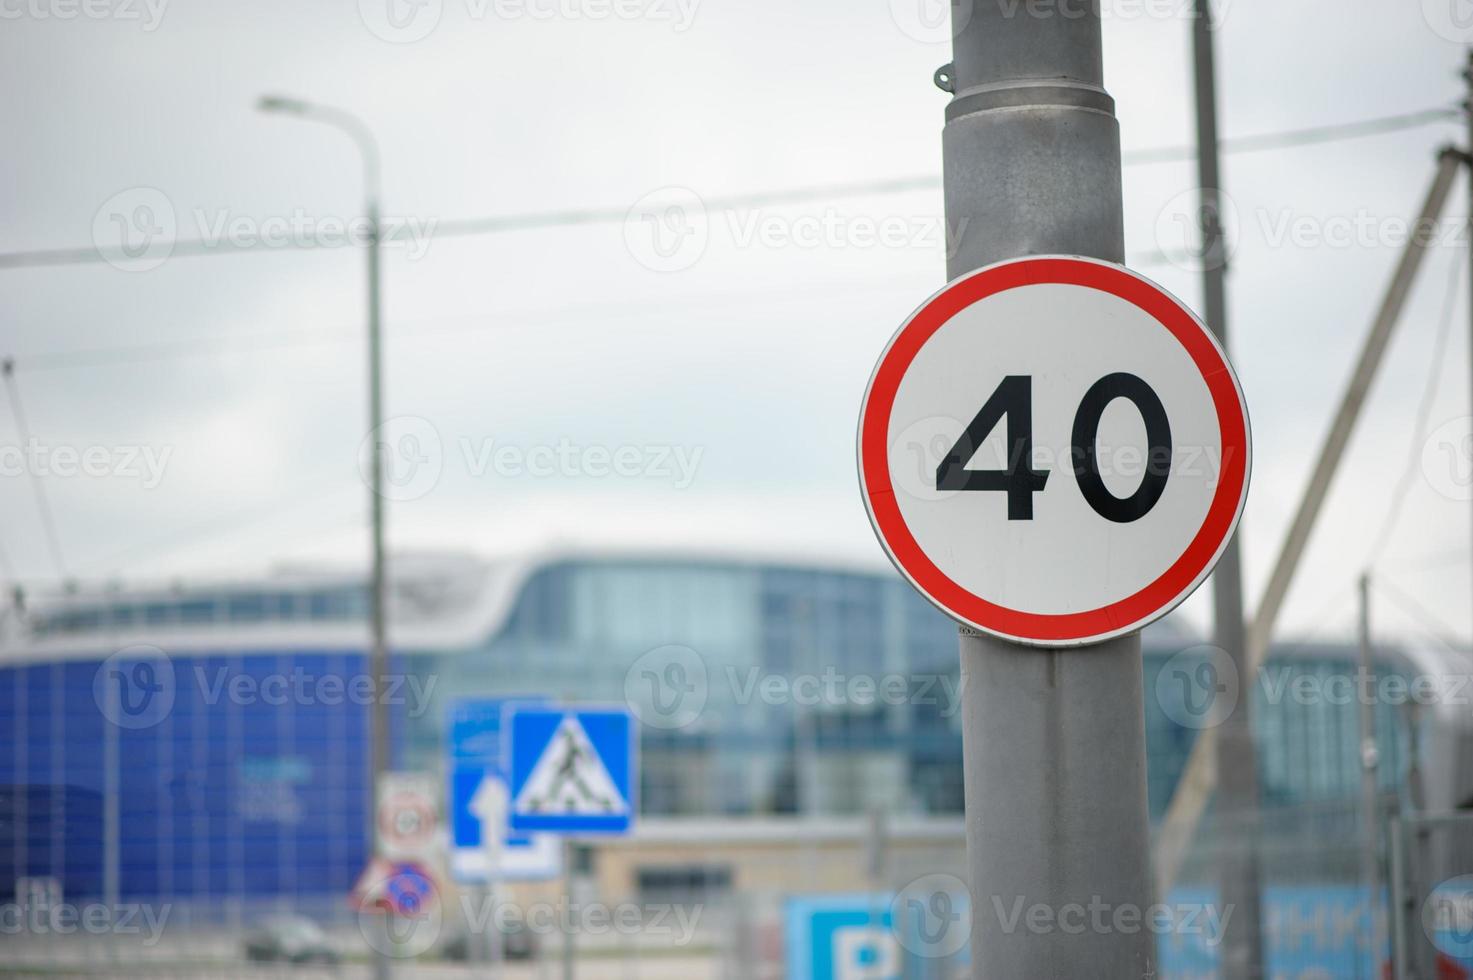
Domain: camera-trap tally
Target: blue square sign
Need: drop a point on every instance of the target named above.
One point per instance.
(474, 749)
(571, 770)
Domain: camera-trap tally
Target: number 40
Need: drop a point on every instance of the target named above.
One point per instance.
(1013, 398)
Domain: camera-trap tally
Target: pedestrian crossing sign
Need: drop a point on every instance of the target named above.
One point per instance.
(572, 770)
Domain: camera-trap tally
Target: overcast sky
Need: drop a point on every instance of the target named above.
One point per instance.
(227, 391)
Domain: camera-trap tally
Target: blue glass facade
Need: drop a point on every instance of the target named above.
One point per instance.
(235, 791)
(224, 795)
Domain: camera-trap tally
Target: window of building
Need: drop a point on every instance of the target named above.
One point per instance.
(682, 884)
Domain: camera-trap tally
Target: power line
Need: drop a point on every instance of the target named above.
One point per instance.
(1288, 139)
(1327, 614)
(6, 568)
(266, 340)
(613, 215)
(260, 341)
(1435, 560)
(219, 525)
(43, 506)
(592, 216)
(255, 341)
(1419, 613)
(1424, 413)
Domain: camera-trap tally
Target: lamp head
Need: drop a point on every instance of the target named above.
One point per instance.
(282, 103)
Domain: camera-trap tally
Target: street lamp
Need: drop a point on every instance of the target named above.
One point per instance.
(378, 655)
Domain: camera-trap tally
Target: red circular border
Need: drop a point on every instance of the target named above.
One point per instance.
(414, 802)
(1116, 617)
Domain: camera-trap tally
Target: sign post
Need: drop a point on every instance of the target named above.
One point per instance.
(572, 771)
(488, 805)
(1054, 451)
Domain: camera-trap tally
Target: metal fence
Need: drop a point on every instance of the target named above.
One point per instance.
(784, 905)
(1432, 895)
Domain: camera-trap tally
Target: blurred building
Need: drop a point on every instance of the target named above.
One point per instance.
(234, 767)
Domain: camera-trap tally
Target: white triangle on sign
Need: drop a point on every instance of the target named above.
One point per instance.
(570, 778)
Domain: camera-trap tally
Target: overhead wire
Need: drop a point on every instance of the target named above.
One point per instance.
(1424, 413)
(43, 505)
(500, 224)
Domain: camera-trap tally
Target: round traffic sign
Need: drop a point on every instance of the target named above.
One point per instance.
(1054, 450)
(406, 821)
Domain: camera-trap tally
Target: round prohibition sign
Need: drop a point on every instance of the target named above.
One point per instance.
(407, 819)
(1054, 450)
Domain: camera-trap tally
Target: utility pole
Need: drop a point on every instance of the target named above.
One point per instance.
(378, 654)
(1468, 158)
(1195, 788)
(1370, 758)
(1237, 762)
(1053, 740)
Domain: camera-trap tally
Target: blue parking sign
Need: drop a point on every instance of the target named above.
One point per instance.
(842, 937)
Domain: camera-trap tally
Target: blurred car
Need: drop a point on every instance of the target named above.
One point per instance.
(517, 943)
(289, 939)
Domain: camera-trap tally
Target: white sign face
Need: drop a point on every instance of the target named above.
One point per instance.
(407, 818)
(1054, 450)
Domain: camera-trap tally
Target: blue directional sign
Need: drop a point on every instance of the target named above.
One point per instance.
(474, 749)
(571, 770)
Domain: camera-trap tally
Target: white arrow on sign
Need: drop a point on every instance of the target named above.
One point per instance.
(489, 806)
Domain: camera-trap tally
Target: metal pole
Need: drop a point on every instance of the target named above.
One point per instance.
(378, 601)
(1194, 788)
(378, 656)
(1468, 150)
(1237, 762)
(569, 952)
(1370, 759)
(490, 805)
(111, 804)
(1053, 741)
(1399, 898)
(378, 662)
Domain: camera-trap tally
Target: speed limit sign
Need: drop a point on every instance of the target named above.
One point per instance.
(1054, 450)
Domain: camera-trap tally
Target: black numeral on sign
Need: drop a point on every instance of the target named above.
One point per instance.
(1086, 457)
(1013, 398)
